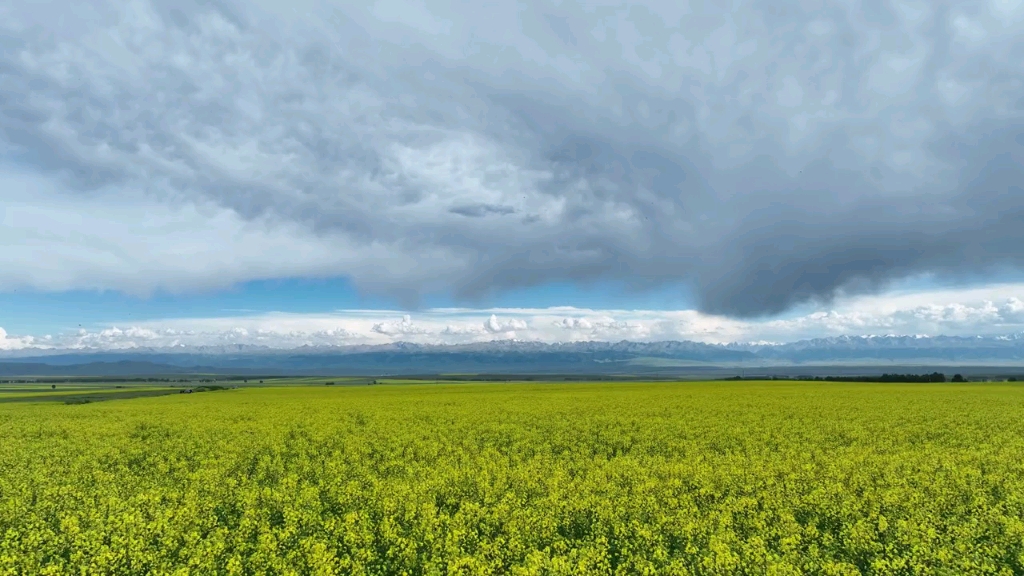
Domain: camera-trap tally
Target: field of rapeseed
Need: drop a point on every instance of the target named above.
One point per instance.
(689, 478)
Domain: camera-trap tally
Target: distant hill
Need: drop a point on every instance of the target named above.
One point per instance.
(119, 368)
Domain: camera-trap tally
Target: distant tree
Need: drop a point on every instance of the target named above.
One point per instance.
(958, 378)
(53, 386)
(1011, 379)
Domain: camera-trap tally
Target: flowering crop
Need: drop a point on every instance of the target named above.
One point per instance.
(625, 478)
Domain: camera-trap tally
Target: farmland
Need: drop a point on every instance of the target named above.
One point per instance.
(522, 478)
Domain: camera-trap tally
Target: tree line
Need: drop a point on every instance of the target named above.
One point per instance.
(892, 378)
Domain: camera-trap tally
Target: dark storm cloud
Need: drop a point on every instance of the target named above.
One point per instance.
(763, 157)
(782, 253)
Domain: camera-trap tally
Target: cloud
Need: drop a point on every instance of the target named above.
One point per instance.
(14, 343)
(403, 327)
(480, 210)
(114, 239)
(764, 156)
(603, 327)
(991, 311)
(495, 326)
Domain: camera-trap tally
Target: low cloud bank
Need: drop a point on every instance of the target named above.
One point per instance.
(991, 311)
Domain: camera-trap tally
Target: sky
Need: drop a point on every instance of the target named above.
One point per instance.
(309, 171)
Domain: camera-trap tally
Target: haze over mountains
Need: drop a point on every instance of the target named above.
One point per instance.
(518, 357)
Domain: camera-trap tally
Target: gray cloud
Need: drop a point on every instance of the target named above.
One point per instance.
(764, 157)
(480, 210)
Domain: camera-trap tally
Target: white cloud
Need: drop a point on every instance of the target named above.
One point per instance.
(495, 326)
(602, 326)
(990, 311)
(403, 327)
(16, 343)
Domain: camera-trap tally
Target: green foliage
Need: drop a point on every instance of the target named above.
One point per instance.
(690, 478)
(209, 388)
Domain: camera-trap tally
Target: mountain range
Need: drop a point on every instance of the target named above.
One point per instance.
(843, 353)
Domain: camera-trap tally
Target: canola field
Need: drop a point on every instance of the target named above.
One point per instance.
(624, 478)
